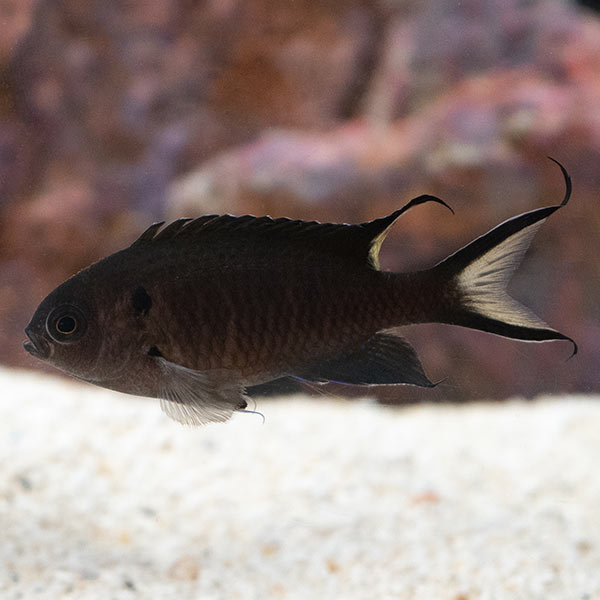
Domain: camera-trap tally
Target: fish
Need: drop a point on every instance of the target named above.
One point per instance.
(197, 311)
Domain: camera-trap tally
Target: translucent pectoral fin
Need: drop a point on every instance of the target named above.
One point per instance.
(198, 397)
(383, 359)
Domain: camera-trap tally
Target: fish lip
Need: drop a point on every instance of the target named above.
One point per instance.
(36, 346)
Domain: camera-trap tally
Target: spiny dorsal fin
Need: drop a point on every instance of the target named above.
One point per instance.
(148, 234)
(360, 242)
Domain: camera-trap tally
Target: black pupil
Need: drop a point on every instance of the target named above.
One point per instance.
(66, 324)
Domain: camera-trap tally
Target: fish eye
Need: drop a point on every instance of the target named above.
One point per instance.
(66, 324)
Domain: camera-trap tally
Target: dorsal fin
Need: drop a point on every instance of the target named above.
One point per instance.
(148, 234)
(361, 242)
(378, 229)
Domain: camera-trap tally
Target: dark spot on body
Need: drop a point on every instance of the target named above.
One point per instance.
(141, 301)
(154, 351)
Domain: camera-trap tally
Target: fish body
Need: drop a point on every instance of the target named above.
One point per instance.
(194, 312)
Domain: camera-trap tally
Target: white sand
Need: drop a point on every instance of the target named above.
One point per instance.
(103, 497)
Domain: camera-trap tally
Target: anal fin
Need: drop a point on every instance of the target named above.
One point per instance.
(383, 360)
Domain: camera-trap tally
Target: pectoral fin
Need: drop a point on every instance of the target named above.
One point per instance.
(383, 359)
(198, 397)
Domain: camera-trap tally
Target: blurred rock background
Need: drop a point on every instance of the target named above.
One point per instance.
(117, 114)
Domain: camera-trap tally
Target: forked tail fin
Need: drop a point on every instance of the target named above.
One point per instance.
(478, 275)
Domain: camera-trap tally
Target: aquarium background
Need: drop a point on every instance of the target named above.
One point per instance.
(114, 115)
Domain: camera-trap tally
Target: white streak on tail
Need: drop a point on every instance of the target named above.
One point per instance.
(483, 282)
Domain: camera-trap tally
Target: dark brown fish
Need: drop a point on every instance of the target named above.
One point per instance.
(195, 312)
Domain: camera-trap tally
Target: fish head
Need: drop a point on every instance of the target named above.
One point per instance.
(63, 330)
(78, 329)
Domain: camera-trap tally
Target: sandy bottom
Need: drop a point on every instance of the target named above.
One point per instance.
(102, 496)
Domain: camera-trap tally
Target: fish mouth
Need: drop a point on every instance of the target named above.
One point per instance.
(36, 346)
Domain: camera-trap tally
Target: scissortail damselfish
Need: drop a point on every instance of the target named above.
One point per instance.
(195, 312)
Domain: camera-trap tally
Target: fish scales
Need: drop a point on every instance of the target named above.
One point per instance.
(194, 312)
(252, 306)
